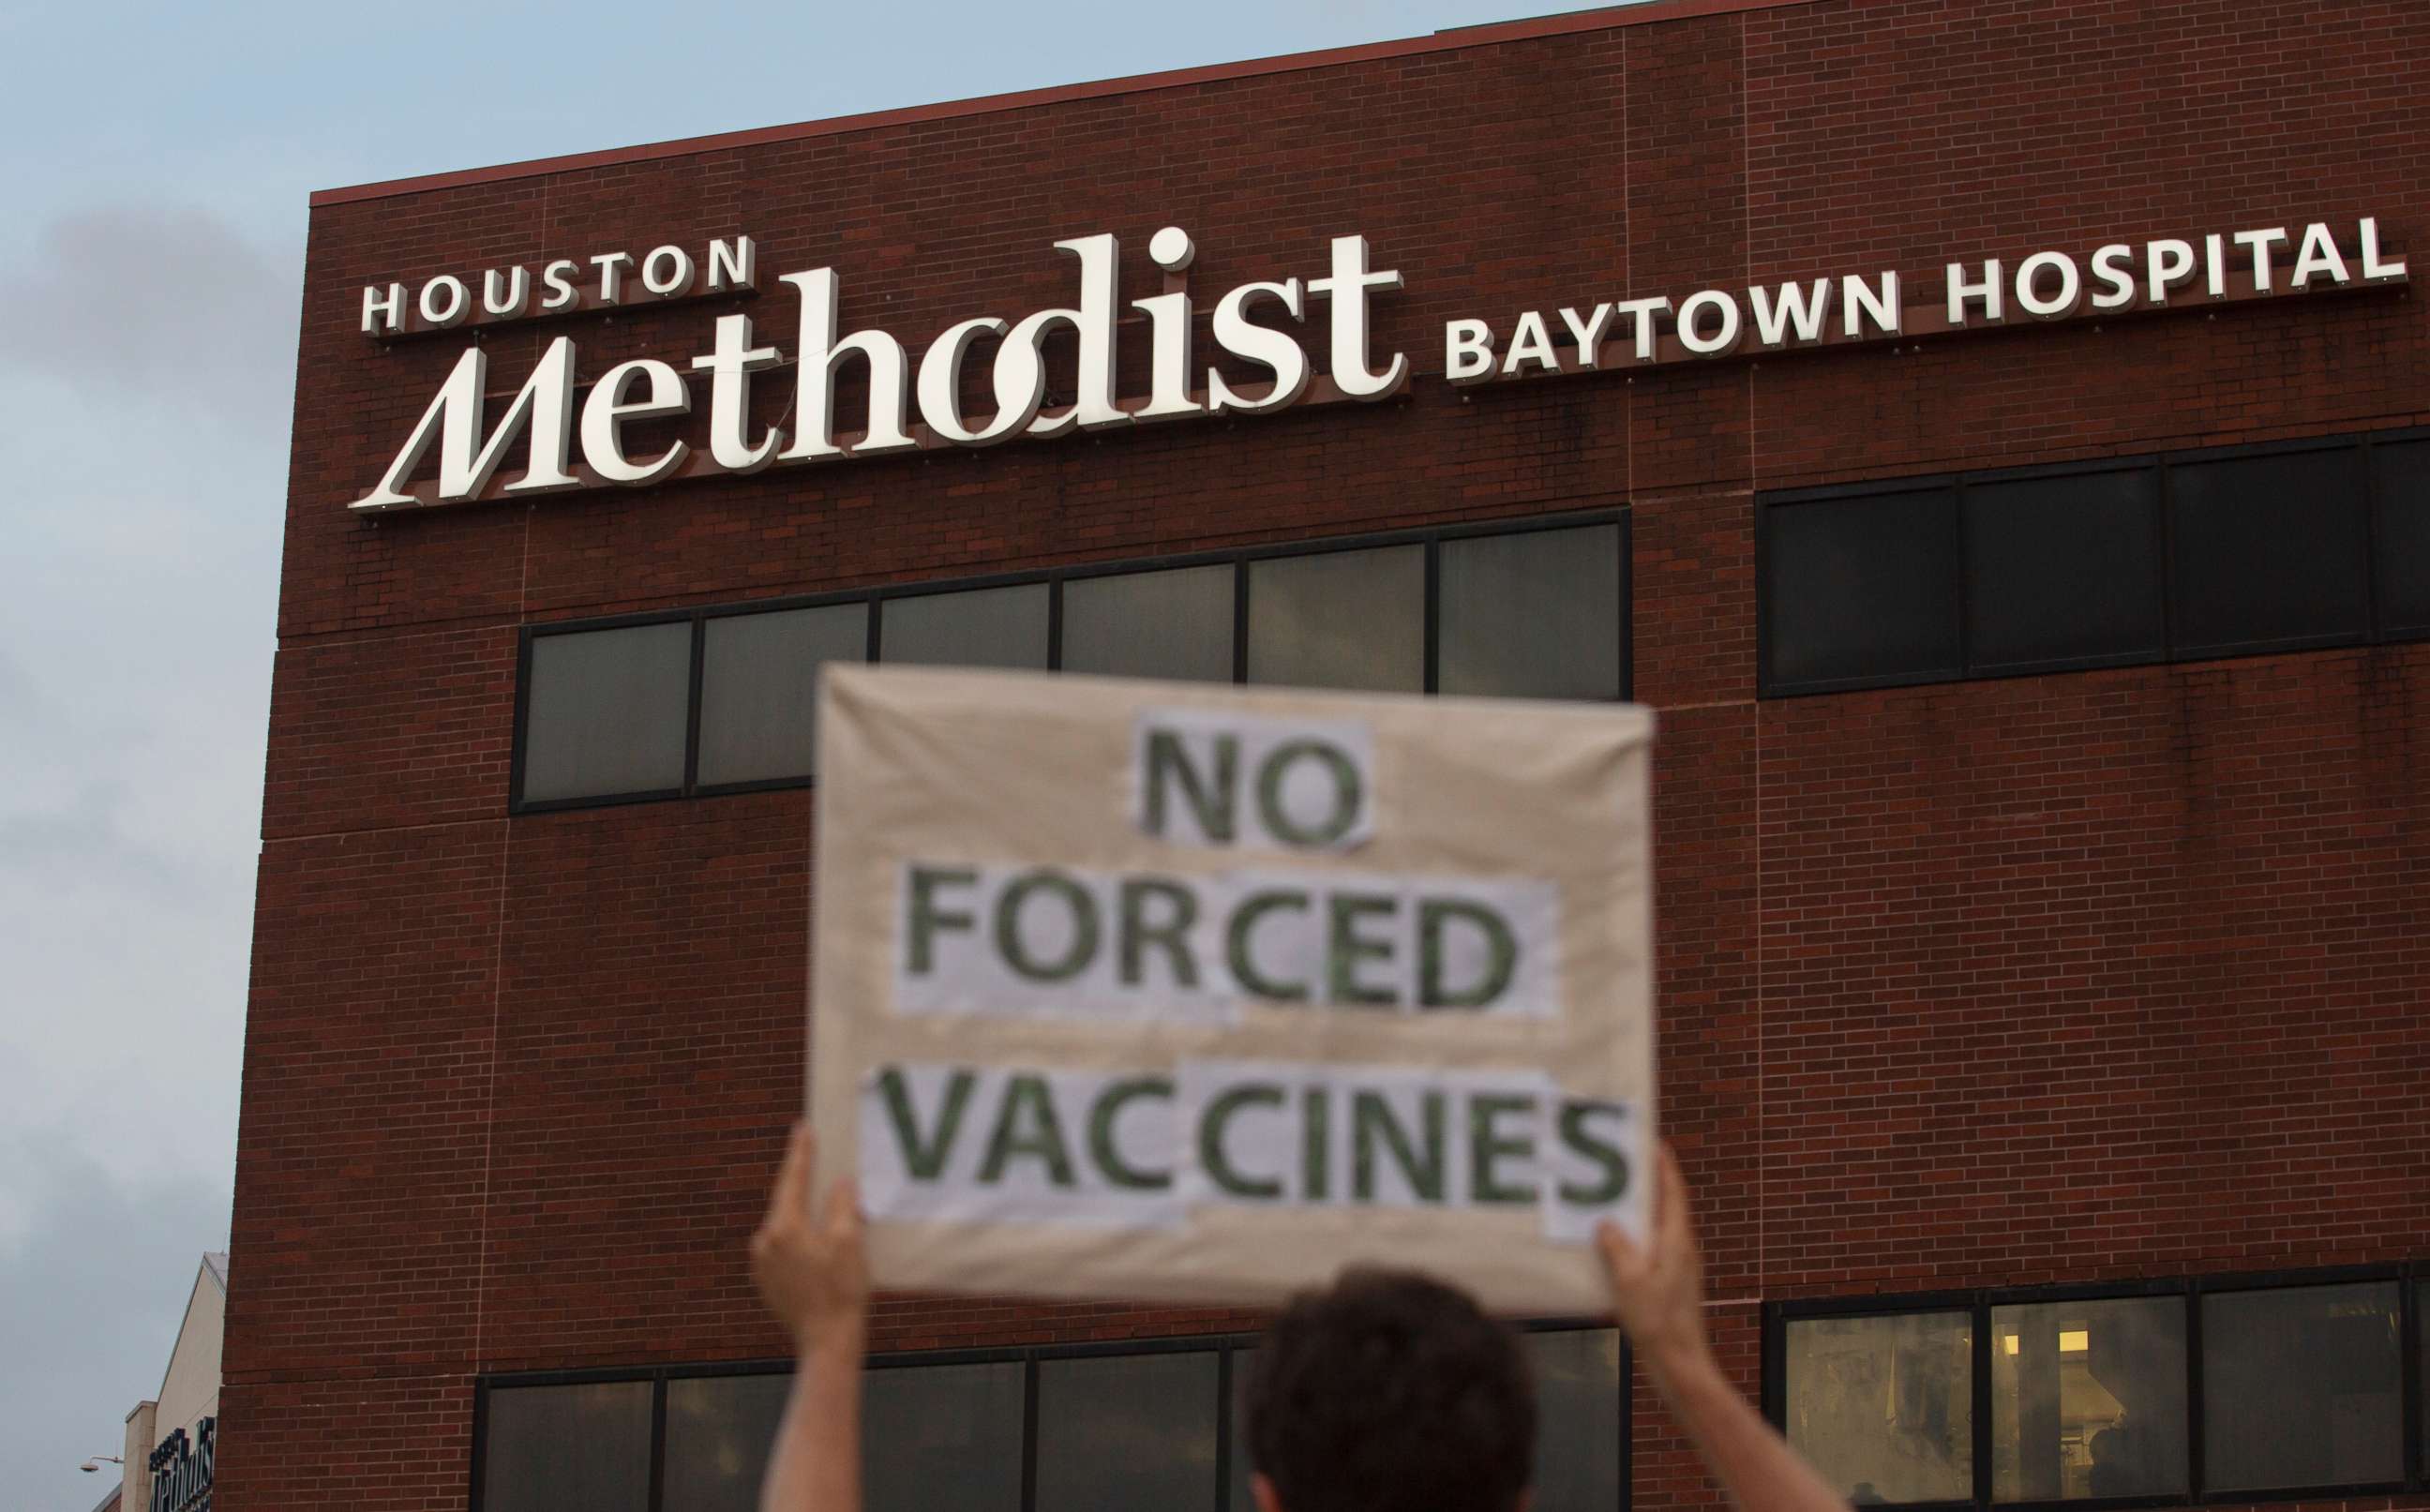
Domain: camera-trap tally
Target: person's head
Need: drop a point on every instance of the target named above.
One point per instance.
(1387, 1392)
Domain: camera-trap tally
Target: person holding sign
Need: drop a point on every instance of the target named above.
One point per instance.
(1388, 1390)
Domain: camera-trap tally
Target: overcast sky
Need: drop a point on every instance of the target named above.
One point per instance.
(155, 160)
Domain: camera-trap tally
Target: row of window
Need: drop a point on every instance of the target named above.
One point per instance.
(2226, 1391)
(725, 700)
(1013, 1432)
(2154, 558)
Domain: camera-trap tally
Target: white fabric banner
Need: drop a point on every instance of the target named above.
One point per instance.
(1153, 990)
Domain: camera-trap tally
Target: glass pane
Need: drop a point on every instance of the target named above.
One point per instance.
(2089, 1399)
(607, 712)
(1126, 1432)
(1239, 1497)
(1883, 1406)
(2063, 569)
(938, 1437)
(719, 1431)
(2301, 1386)
(981, 627)
(1173, 623)
(547, 1447)
(760, 685)
(1532, 616)
(1578, 1420)
(1862, 587)
(2401, 479)
(1342, 619)
(2268, 548)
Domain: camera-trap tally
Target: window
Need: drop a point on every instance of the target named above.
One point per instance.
(1883, 1405)
(2088, 1399)
(1173, 623)
(719, 1430)
(1535, 615)
(1125, 1431)
(1578, 1420)
(758, 689)
(2269, 550)
(1055, 1428)
(546, 1447)
(2303, 1387)
(2064, 570)
(725, 699)
(942, 1436)
(2400, 479)
(1341, 618)
(976, 627)
(2179, 557)
(2238, 1388)
(607, 712)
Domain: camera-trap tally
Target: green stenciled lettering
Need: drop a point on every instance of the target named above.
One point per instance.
(1244, 970)
(1487, 1145)
(924, 1159)
(1346, 948)
(1576, 1136)
(1349, 793)
(1212, 1159)
(1210, 800)
(1371, 1120)
(1027, 1093)
(1501, 954)
(1316, 1126)
(927, 918)
(1015, 951)
(1102, 1149)
(1180, 912)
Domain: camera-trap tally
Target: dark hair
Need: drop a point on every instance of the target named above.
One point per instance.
(1391, 1391)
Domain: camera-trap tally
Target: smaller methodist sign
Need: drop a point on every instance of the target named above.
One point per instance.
(1164, 990)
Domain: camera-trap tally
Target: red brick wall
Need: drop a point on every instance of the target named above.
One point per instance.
(2058, 978)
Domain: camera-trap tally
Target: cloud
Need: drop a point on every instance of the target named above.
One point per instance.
(164, 305)
(95, 1274)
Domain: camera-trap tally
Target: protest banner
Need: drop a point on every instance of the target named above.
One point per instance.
(1134, 990)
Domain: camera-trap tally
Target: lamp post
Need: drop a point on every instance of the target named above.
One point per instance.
(99, 1460)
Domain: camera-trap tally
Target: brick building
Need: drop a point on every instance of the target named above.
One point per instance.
(2044, 847)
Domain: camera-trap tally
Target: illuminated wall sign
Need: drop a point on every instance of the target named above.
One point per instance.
(1252, 323)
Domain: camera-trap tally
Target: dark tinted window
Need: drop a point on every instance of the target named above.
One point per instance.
(942, 1438)
(2400, 482)
(2089, 1399)
(1124, 1432)
(2063, 569)
(549, 1447)
(758, 689)
(1883, 1406)
(607, 712)
(1341, 618)
(1172, 624)
(1578, 1420)
(1862, 587)
(1535, 615)
(2302, 1387)
(719, 1431)
(2266, 550)
(978, 627)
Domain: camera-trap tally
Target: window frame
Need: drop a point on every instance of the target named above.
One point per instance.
(2173, 651)
(2413, 1279)
(1225, 1345)
(876, 597)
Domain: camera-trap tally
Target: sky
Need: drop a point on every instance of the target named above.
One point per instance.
(154, 162)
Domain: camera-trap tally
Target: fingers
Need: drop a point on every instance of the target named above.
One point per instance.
(1620, 1256)
(843, 1209)
(790, 1201)
(1671, 1216)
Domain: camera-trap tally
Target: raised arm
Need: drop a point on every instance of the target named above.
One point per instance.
(1658, 1294)
(814, 1276)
